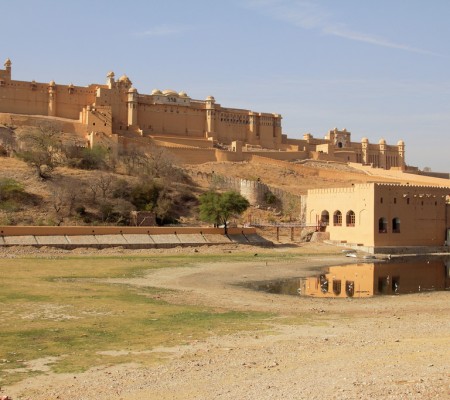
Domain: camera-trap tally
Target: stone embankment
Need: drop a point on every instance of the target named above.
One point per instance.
(126, 237)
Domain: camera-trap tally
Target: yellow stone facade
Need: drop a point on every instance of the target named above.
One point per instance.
(382, 215)
(195, 131)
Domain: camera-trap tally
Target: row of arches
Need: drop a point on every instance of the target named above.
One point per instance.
(350, 218)
(383, 225)
(350, 221)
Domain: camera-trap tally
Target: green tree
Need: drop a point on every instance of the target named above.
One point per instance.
(218, 208)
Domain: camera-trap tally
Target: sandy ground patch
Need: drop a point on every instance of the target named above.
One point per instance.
(391, 347)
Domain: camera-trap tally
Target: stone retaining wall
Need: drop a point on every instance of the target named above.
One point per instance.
(70, 237)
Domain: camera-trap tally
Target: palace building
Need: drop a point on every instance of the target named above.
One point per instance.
(117, 114)
(381, 216)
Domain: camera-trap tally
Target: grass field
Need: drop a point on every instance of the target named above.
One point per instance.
(59, 308)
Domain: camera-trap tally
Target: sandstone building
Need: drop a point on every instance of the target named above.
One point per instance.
(380, 216)
(116, 115)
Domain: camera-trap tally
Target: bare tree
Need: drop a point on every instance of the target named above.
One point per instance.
(41, 148)
(63, 200)
(291, 207)
(7, 140)
(103, 184)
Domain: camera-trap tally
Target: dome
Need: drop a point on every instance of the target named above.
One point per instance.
(169, 92)
(382, 141)
(132, 90)
(110, 74)
(400, 143)
(125, 80)
(8, 62)
(71, 85)
(156, 91)
(52, 83)
(182, 94)
(210, 98)
(364, 140)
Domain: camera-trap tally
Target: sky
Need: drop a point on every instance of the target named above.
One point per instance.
(380, 68)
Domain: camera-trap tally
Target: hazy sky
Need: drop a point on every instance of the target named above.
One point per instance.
(377, 68)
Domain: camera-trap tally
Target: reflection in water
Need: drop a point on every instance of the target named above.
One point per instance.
(365, 280)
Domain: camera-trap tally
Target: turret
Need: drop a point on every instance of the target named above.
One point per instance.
(110, 79)
(401, 153)
(210, 116)
(365, 150)
(7, 65)
(132, 107)
(382, 159)
(52, 99)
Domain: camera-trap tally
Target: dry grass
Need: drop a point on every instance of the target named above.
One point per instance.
(62, 309)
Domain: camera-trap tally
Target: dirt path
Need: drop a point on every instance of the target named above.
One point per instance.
(378, 348)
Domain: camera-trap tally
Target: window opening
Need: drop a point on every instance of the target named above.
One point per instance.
(323, 283)
(396, 225)
(325, 218)
(350, 218)
(337, 218)
(336, 287)
(349, 288)
(382, 225)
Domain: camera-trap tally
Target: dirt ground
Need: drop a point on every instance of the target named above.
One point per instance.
(385, 347)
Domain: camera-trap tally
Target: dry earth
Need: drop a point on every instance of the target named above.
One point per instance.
(392, 347)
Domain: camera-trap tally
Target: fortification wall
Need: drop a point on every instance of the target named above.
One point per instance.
(279, 155)
(254, 191)
(33, 98)
(189, 155)
(199, 143)
(115, 230)
(230, 156)
(66, 125)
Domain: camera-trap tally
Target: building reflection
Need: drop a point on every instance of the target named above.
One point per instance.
(365, 280)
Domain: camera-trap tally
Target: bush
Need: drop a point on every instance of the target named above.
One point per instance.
(91, 158)
(270, 198)
(10, 189)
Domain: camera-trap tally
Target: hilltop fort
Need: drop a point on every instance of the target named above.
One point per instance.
(117, 115)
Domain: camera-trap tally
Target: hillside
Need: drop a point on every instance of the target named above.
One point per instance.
(48, 198)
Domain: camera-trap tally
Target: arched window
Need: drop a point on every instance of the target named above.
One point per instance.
(350, 288)
(382, 225)
(337, 287)
(396, 225)
(350, 218)
(323, 283)
(337, 218)
(325, 218)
